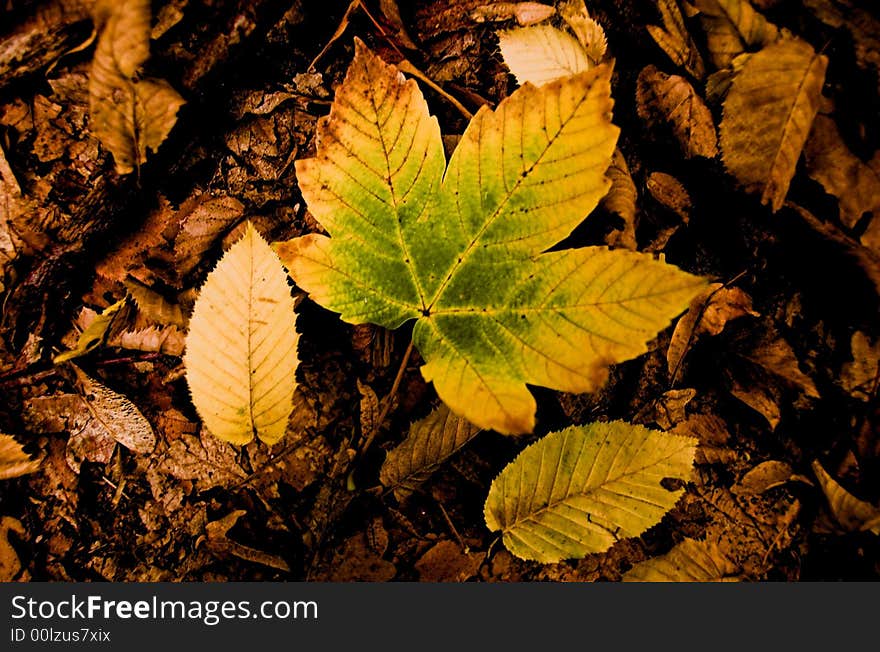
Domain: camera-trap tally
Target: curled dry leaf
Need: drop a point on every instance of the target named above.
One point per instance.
(732, 27)
(675, 40)
(707, 315)
(670, 193)
(525, 13)
(494, 309)
(241, 349)
(621, 199)
(861, 377)
(577, 491)
(852, 514)
(856, 184)
(783, 84)
(14, 462)
(688, 561)
(671, 100)
(10, 564)
(129, 115)
(94, 334)
(430, 442)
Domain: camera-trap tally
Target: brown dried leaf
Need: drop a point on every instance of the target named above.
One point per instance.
(732, 27)
(763, 477)
(525, 13)
(117, 415)
(588, 32)
(621, 199)
(852, 514)
(774, 353)
(369, 410)
(754, 392)
(689, 561)
(129, 115)
(672, 101)
(445, 561)
(10, 564)
(708, 314)
(830, 162)
(670, 193)
(355, 561)
(668, 410)
(14, 462)
(709, 429)
(218, 543)
(206, 460)
(154, 306)
(861, 377)
(782, 84)
(675, 40)
(431, 441)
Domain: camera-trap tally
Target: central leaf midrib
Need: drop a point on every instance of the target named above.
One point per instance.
(460, 260)
(398, 226)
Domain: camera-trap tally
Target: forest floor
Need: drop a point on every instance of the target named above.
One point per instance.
(783, 384)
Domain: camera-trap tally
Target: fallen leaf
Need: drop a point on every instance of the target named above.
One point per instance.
(159, 339)
(241, 349)
(492, 311)
(94, 335)
(129, 115)
(205, 460)
(732, 27)
(861, 377)
(688, 561)
(154, 306)
(587, 31)
(763, 477)
(670, 193)
(218, 543)
(354, 561)
(445, 561)
(430, 442)
(577, 491)
(772, 352)
(675, 40)
(755, 391)
(369, 410)
(668, 410)
(830, 162)
(542, 54)
(525, 13)
(14, 462)
(670, 100)
(621, 199)
(783, 84)
(852, 514)
(708, 314)
(10, 564)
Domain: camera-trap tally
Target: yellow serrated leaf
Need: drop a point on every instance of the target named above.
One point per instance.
(579, 490)
(129, 115)
(782, 83)
(542, 54)
(94, 335)
(241, 349)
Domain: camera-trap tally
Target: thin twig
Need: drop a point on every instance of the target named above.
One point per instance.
(388, 401)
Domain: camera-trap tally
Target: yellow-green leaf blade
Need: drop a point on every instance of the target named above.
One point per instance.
(558, 323)
(241, 349)
(782, 83)
(379, 161)
(577, 491)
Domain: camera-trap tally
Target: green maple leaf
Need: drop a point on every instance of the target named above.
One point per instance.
(465, 252)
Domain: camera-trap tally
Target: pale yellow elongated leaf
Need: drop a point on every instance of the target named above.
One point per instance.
(782, 84)
(689, 561)
(13, 460)
(675, 40)
(733, 27)
(430, 442)
(542, 54)
(115, 415)
(129, 115)
(579, 490)
(853, 514)
(672, 101)
(94, 335)
(241, 349)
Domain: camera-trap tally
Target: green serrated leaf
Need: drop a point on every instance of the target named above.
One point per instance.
(465, 252)
(579, 490)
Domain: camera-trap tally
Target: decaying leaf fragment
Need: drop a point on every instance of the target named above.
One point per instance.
(861, 377)
(577, 491)
(732, 27)
(621, 199)
(671, 100)
(852, 514)
(430, 442)
(241, 349)
(688, 561)
(525, 13)
(782, 84)
(14, 461)
(675, 40)
(461, 251)
(129, 115)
